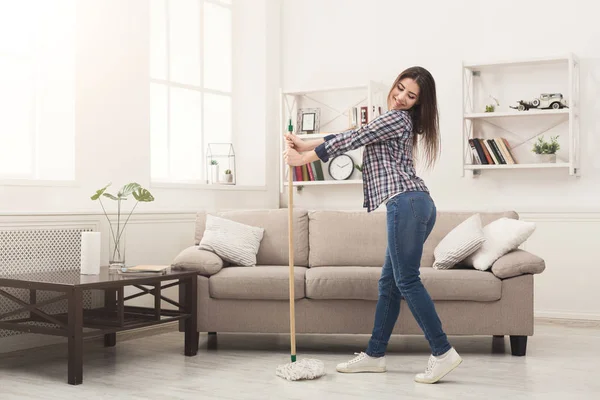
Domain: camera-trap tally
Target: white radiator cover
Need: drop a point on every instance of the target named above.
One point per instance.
(50, 249)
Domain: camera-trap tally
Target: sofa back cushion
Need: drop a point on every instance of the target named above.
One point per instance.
(273, 248)
(357, 238)
(347, 238)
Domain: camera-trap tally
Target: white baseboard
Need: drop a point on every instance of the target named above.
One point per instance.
(567, 315)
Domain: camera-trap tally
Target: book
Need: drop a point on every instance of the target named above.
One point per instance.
(486, 153)
(145, 269)
(510, 153)
(503, 150)
(475, 154)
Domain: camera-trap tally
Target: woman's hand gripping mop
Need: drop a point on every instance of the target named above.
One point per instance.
(307, 368)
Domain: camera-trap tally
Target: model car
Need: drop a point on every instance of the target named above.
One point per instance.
(554, 101)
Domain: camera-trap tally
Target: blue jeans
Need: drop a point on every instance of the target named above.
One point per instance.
(410, 219)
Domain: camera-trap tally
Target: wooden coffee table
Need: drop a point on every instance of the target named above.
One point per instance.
(78, 323)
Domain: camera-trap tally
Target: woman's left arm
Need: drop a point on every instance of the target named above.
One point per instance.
(390, 125)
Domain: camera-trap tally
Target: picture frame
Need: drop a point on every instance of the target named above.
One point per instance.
(308, 121)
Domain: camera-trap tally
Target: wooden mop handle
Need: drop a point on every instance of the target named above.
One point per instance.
(291, 261)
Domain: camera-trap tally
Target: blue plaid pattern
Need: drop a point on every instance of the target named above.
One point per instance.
(388, 166)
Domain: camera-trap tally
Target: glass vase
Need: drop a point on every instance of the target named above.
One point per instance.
(116, 247)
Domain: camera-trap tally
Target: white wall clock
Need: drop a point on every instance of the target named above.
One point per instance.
(341, 167)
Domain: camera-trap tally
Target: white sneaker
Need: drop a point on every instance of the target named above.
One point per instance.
(363, 363)
(438, 367)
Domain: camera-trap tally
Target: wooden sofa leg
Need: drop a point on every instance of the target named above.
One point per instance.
(518, 345)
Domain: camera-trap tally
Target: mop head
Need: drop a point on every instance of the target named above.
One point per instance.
(303, 369)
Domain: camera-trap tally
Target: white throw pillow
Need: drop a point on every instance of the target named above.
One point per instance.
(234, 242)
(501, 236)
(459, 243)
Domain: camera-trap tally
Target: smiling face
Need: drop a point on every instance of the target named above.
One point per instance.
(404, 95)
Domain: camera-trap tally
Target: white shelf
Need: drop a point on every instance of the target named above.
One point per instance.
(341, 88)
(522, 62)
(336, 105)
(521, 78)
(528, 113)
(516, 166)
(328, 182)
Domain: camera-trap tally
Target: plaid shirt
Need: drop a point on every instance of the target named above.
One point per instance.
(388, 166)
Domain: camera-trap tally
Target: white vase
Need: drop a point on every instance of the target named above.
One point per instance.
(545, 158)
(214, 174)
(229, 178)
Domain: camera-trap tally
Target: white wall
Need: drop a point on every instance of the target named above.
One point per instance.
(348, 42)
(112, 113)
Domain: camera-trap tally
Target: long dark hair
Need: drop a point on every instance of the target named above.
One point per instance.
(424, 114)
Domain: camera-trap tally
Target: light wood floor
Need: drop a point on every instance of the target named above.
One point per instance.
(562, 362)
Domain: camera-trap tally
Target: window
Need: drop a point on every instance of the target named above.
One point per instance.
(37, 90)
(190, 85)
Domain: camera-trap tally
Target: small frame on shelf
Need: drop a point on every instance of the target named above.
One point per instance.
(220, 160)
(308, 120)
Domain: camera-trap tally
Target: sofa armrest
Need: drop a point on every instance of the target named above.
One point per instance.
(517, 262)
(203, 261)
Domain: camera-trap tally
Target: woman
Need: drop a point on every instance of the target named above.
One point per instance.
(389, 177)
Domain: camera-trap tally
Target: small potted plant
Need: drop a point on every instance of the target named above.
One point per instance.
(546, 151)
(228, 176)
(214, 171)
(491, 107)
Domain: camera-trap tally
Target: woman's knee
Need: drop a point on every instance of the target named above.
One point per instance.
(406, 282)
(387, 286)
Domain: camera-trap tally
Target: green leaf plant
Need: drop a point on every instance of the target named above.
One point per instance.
(131, 189)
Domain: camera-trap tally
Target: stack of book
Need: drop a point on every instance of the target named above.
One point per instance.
(145, 270)
(491, 151)
(309, 172)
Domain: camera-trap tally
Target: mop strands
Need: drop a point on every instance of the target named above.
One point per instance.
(309, 368)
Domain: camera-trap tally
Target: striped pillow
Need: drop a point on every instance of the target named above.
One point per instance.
(460, 243)
(234, 242)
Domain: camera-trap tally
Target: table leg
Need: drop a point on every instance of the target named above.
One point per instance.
(110, 297)
(75, 369)
(191, 323)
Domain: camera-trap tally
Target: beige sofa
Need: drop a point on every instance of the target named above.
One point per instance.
(338, 258)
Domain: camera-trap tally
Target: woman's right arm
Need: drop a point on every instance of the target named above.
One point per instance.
(301, 145)
(313, 144)
(392, 124)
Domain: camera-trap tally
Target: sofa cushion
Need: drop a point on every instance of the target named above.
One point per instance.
(193, 259)
(273, 248)
(347, 238)
(361, 283)
(256, 283)
(447, 221)
(234, 242)
(518, 262)
(501, 236)
(460, 243)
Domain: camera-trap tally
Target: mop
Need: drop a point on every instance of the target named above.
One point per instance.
(307, 368)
